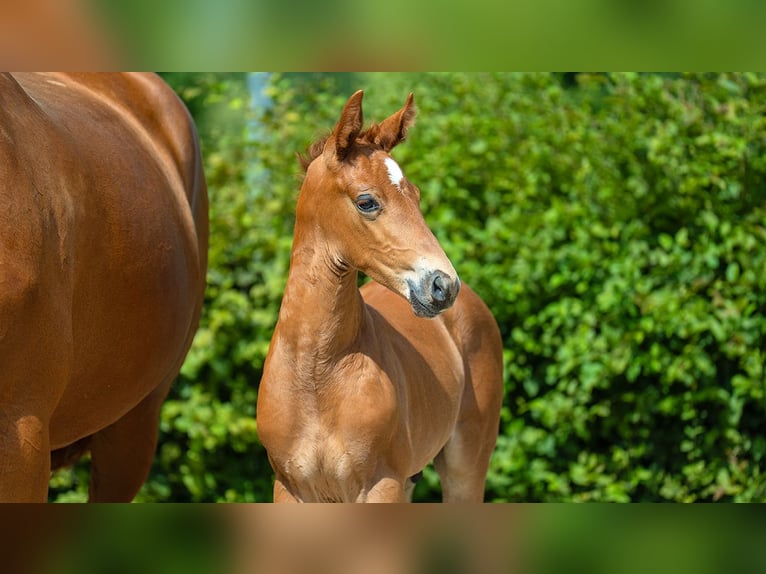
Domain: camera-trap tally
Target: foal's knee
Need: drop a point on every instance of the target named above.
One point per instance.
(387, 489)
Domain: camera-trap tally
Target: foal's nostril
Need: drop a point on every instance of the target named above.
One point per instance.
(434, 293)
(440, 288)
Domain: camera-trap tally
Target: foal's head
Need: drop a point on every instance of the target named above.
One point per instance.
(369, 211)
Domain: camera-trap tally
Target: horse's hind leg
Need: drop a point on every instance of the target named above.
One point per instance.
(35, 359)
(122, 453)
(24, 458)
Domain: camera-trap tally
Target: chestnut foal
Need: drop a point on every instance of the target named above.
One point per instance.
(362, 388)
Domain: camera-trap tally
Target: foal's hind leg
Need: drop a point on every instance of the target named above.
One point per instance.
(463, 462)
(462, 467)
(122, 453)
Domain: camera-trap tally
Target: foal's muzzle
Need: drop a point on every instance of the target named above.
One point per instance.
(434, 293)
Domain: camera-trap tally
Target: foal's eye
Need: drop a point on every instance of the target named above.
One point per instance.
(367, 204)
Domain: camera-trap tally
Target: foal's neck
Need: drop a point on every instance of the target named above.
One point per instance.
(322, 309)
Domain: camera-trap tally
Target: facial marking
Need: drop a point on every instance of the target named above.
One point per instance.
(394, 172)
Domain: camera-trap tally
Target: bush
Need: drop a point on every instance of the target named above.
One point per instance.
(614, 224)
(625, 269)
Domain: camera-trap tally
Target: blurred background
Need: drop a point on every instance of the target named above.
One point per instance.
(383, 539)
(615, 224)
(393, 35)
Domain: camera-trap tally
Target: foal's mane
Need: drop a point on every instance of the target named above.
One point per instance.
(364, 139)
(312, 152)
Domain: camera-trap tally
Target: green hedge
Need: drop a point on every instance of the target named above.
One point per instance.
(614, 224)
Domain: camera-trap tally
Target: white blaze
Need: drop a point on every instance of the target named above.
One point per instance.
(394, 172)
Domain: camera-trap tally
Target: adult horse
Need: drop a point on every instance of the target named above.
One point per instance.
(362, 389)
(103, 255)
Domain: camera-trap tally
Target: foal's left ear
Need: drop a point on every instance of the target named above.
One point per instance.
(346, 130)
(391, 131)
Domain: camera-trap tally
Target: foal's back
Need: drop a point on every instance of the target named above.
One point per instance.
(468, 324)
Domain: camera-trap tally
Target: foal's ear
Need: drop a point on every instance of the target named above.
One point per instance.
(391, 131)
(346, 130)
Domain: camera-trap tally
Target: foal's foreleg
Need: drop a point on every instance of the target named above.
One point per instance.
(281, 492)
(387, 489)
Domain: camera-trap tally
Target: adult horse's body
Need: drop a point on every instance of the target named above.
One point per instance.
(103, 254)
(362, 389)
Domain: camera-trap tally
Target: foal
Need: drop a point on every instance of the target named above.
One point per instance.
(362, 388)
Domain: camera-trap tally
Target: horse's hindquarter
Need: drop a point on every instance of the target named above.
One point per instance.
(122, 248)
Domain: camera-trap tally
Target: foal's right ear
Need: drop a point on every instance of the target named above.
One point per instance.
(392, 131)
(346, 130)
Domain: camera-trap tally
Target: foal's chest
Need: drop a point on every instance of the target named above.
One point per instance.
(335, 465)
(340, 444)
(324, 468)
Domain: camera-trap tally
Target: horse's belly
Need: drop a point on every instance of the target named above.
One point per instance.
(119, 365)
(131, 326)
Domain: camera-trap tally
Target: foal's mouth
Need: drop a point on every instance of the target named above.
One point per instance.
(434, 294)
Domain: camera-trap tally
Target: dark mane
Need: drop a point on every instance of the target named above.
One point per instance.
(367, 138)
